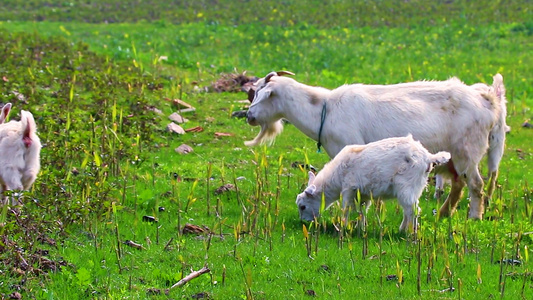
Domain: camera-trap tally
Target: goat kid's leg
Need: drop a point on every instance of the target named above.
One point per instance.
(347, 202)
(410, 215)
(13, 183)
(456, 192)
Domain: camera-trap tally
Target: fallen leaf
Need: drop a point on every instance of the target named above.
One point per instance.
(134, 245)
(225, 188)
(194, 229)
(202, 295)
(195, 129)
(219, 134)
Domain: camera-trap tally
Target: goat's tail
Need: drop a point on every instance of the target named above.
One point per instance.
(499, 88)
(497, 134)
(440, 158)
(29, 128)
(33, 148)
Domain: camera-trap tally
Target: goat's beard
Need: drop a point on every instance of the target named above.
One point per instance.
(268, 133)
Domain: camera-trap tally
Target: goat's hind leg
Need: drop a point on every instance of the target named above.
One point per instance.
(456, 192)
(492, 185)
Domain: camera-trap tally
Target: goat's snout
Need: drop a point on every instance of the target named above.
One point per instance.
(251, 119)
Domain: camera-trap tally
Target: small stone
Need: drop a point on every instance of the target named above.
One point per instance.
(149, 219)
(184, 149)
(173, 127)
(175, 117)
(155, 110)
(15, 295)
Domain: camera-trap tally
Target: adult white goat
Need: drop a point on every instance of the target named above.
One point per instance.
(20, 147)
(394, 167)
(443, 115)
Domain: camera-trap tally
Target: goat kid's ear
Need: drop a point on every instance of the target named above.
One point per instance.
(311, 178)
(5, 112)
(310, 190)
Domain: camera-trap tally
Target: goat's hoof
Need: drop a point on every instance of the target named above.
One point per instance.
(475, 216)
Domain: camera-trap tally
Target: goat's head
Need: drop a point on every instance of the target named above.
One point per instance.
(260, 83)
(309, 201)
(265, 111)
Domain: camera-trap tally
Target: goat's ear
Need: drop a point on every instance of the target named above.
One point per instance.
(507, 128)
(311, 178)
(251, 95)
(310, 190)
(5, 112)
(267, 78)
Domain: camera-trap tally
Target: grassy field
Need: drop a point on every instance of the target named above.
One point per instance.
(94, 74)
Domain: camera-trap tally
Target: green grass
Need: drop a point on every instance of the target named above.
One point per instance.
(107, 160)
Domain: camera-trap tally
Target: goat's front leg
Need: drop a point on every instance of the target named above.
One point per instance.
(12, 183)
(411, 211)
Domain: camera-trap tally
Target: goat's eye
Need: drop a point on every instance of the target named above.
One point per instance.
(302, 207)
(251, 95)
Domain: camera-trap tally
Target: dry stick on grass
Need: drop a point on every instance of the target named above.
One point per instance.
(191, 276)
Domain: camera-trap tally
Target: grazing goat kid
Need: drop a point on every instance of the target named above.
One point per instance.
(20, 148)
(443, 115)
(393, 167)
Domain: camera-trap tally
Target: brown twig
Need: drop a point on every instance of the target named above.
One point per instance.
(191, 276)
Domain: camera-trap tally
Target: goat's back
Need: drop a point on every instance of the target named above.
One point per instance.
(442, 115)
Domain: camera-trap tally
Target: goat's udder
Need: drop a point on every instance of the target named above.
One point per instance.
(27, 141)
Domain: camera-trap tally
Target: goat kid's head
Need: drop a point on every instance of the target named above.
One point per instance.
(263, 111)
(309, 201)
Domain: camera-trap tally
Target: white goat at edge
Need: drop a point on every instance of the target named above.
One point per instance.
(393, 167)
(443, 115)
(20, 147)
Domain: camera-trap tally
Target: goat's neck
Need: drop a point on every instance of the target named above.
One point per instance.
(304, 108)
